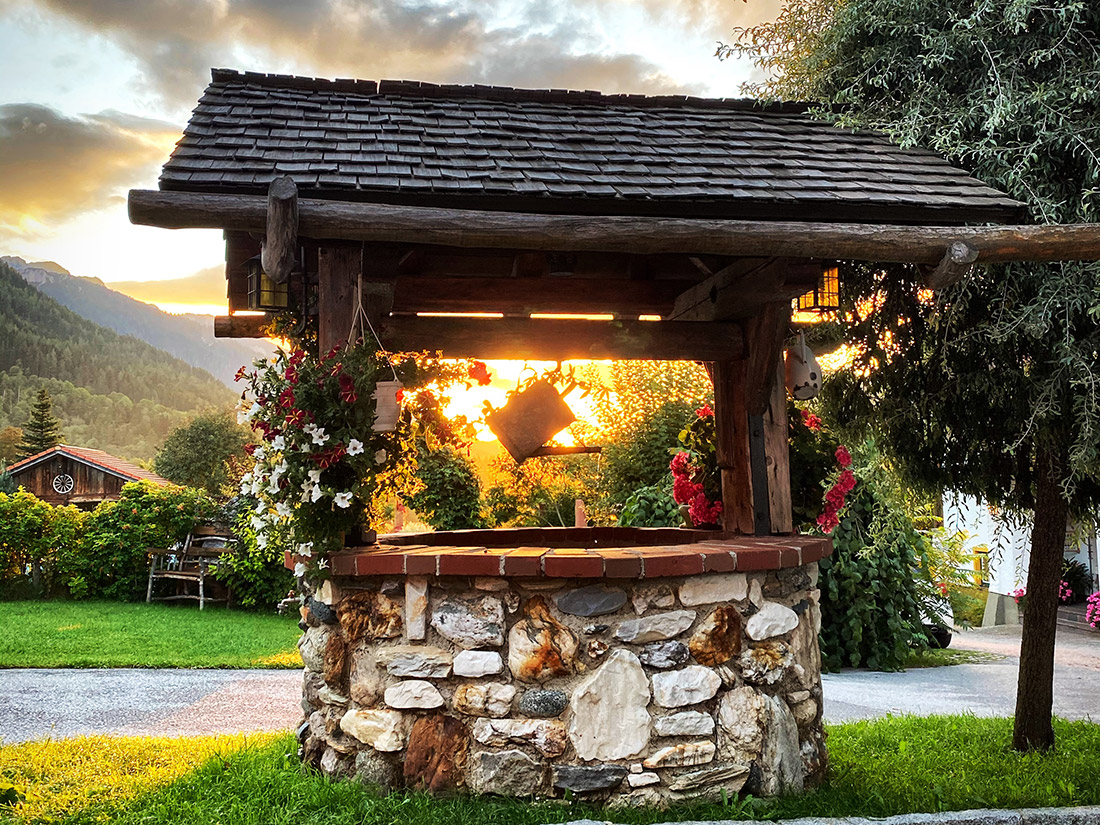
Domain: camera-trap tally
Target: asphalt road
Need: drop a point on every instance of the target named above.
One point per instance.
(36, 704)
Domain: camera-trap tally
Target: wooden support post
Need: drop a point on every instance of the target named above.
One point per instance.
(280, 249)
(777, 453)
(731, 424)
(338, 269)
(758, 469)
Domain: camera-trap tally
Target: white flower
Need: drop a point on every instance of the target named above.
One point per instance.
(322, 564)
(300, 569)
(261, 540)
(256, 487)
(319, 436)
(283, 509)
(253, 411)
(343, 500)
(380, 457)
(242, 416)
(259, 454)
(317, 493)
(246, 480)
(273, 487)
(305, 550)
(261, 508)
(257, 523)
(310, 428)
(355, 447)
(315, 476)
(278, 443)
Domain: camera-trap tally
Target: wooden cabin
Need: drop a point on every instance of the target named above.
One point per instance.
(77, 475)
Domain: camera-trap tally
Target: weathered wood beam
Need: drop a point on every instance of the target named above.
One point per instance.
(338, 269)
(537, 339)
(279, 254)
(578, 449)
(632, 234)
(732, 445)
(777, 457)
(957, 261)
(742, 288)
(764, 336)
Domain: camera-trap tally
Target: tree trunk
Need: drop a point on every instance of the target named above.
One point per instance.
(1035, 688)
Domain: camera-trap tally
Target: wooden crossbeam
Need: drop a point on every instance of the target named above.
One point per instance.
(742, 288)
(539, 339)
(616, 233)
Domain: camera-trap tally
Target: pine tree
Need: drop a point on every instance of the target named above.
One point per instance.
(43, 429)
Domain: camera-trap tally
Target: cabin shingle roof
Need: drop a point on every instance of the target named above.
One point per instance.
(561, 151)
(96, 458)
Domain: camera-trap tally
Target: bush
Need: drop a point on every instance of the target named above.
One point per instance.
(870, 614)
(256, 575)
(448, 495)
(33, 536)
(637, 457)
(111, 561)
(1076, 580)
(651, 507)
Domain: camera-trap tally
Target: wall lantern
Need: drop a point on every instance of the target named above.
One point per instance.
(822, 299)
(263, 293)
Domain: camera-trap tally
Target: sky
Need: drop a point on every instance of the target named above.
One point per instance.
(95, 93)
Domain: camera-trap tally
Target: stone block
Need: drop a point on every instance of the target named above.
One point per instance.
(713, 589)
(610, 720)
(687, 686)
(655, 628)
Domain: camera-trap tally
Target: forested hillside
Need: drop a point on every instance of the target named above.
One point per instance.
(188, 337)
(111, 392)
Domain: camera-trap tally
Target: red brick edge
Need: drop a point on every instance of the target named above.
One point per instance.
(741, 554)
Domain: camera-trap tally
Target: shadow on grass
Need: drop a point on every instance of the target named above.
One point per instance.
(879, 768)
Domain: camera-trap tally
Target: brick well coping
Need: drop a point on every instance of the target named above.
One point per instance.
(575, 552)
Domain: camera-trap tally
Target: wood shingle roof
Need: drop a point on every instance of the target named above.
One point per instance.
(490, 147)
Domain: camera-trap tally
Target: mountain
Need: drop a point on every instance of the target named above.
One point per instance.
(188, 337)
(112, 392)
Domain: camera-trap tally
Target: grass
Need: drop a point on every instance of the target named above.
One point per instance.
(944, 658)
(113, 634)
(879, 768)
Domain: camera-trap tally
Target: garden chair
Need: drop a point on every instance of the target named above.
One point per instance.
(188, 564)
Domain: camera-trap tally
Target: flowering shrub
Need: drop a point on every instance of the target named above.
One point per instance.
(321, 465)
(1092, 610)
(695, 480)
(835, 496)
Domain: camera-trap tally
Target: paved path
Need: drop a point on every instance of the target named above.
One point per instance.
(985, 689)
(59, 703)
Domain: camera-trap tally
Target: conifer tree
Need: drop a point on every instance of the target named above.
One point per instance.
(43, 429)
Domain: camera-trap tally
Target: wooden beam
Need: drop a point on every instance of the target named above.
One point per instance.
(539, 339)
(777, 457)
(637, 235)
(758, 470)
(338, 270)
(732, 445)
(280, 247)
(764, 336)
(957, 261)
(742, 288)
(579, 449)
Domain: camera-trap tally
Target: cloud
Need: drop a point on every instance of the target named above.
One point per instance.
(54, 167)
(207, 286)
(507, 42)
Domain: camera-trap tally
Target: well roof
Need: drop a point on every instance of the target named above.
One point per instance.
(96, 458)
(489, 147)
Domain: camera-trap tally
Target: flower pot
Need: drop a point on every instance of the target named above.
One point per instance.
(387, 406)
(530, 419)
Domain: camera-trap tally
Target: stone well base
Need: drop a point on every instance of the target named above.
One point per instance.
(631, 691)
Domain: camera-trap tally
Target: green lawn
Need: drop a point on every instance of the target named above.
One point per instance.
(890, 766)
(113, 634)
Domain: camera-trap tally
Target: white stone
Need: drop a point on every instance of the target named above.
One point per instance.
(484, 699)
(490, 584)
(677, 756)
(416, 608)
(741, 715)
(383, 730)
(780, 758)
(640, 780)
(547, 735)
(688, 686)
(312, 646)
(655, 628)
(329, 593)
(413, 693)
(610, 720)
(772, 619)
(646, 596)
(331, 697)
(419, 661)
(685, 723)
(756, 593)
(470, 624)
(721, 587)
(475, 663)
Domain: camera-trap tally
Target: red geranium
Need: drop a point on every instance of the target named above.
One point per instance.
(704, 411)
(843, 457)
(480, 373)
(811, 421)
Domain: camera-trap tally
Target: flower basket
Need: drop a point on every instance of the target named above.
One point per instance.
(530, 419)
(387, 406)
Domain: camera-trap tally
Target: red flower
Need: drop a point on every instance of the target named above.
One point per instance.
(286, 398)
(241, 373)
(828, 521)
(291, 374)
(400, 396)
(846, 482)
(703, 511)
(705, 411)
(327, 458)
(680, 465)
(296, 418)
(347, 389)
(480, 373)
(250, 448)
(811, 421)
(843, 457)
(684, 490)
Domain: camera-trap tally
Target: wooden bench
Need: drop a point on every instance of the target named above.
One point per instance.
(189, 564)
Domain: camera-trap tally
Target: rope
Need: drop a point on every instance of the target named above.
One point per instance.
(359, 317)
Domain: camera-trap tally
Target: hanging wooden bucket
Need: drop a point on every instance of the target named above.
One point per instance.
(387, 406)
(530, 419)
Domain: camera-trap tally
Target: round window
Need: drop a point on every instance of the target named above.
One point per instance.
(63, 484)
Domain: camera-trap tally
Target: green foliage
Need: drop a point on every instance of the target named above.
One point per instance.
(878, 768)
(539, 492)
(42, 430)
(113, 634)
(968, 605)
(7, 483)
(257, 575)
(111, 561)
(870, 613)
(447, 493)
(637, 456)
(201, 453)
(10, 438)
(1076, 577)
(33, 541)
(651, 507)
